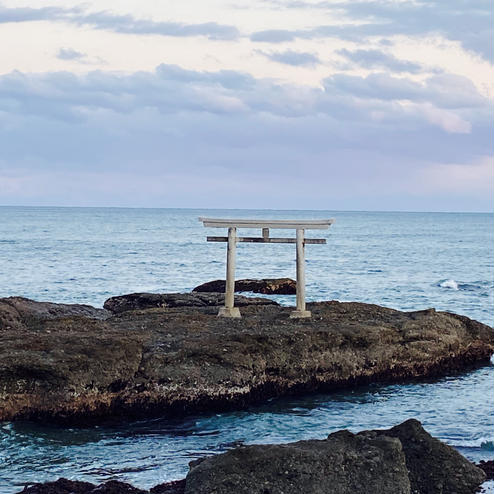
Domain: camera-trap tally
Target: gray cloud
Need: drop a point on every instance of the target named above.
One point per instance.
(275, 35)
(129, 25)
(182, 137)
(118, 23)
(372, 59)
(70, 54)
(26, 14)
(458, 20)
(446, 91)
(295, 58)
(174, 136)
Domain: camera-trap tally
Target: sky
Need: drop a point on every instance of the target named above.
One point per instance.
(283, 104)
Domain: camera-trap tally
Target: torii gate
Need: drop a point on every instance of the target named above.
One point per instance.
(232, 224)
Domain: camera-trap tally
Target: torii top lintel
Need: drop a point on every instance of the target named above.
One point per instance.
(255, 223)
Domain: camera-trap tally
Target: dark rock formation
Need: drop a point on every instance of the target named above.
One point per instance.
(488, 468)
(401, 460)
(175, 360)
(404, 459)
(140, 301)
(64, 486)
(344, 463)
(267, 286)
(175, 487)
(434, 467)
(16, 312)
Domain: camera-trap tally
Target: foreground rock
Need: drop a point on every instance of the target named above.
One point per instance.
(65, 486)
(271, 286)
(401, 460)
(174, 360)
(343, 463)
(434, 467)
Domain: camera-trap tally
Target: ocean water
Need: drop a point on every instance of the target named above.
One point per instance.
(407, 261)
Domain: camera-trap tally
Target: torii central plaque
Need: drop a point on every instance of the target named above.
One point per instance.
(229, 310)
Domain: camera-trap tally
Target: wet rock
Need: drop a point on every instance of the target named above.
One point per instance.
(116, 487)
(140, 301)
(434, 467)
(175, 487)
(61, 486)
(65, 486)
(176, 360)
(488, 468)
(343, 463)
(267, 286)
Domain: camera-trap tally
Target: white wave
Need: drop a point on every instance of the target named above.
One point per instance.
(449, 284)
(483, 443)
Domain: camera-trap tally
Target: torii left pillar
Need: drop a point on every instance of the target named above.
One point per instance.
(229, 310)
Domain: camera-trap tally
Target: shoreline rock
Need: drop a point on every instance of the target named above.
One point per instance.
(267, 286)
(405, 459)
(171, 360)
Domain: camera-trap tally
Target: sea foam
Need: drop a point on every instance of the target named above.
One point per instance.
(449, 284)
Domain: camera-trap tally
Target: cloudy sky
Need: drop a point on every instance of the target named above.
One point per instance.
(285, 104)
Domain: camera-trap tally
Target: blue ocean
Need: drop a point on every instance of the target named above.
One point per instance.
(406, 261)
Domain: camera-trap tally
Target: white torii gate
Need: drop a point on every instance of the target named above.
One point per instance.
(299, 225)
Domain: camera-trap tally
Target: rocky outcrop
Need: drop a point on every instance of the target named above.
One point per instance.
(175, 487)
(344, 463)
(446, 471)
(401, 460)
(140, 301)
(65, 486)
(268, 286)
(175, 360)
(18, 312)
(488, 468)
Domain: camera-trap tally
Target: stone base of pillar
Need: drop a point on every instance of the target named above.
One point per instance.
(299, 314)
(229, 312)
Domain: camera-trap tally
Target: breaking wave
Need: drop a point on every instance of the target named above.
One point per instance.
(448, 284)
(482, 443)
(481, 287)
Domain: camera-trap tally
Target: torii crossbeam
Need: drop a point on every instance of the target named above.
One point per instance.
(229, 310)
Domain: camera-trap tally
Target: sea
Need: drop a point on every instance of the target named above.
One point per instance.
(404, 260)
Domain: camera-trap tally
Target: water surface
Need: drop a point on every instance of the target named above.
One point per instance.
(407, 261)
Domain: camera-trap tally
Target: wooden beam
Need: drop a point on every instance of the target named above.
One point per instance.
(272, 240)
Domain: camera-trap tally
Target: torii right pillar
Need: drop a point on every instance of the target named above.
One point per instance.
(300, 311)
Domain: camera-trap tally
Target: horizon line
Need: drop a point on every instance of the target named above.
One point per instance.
(245, 209)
